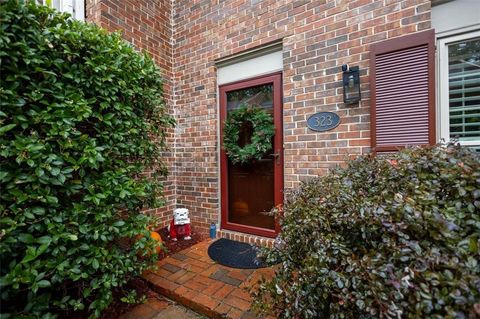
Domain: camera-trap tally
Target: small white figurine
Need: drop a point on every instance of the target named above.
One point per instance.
(180, 224)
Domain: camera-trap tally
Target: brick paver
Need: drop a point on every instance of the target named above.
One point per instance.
(194, 280)
(158, 307)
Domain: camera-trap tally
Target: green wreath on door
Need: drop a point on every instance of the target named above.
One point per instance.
(261, 141)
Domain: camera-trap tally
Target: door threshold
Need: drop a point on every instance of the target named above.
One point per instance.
(246, 238)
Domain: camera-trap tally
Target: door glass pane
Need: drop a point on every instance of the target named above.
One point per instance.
(250, 186)
(464, 89)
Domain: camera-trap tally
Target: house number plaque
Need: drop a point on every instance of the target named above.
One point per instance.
(323, 121)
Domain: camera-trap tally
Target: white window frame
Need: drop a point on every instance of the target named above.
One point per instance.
(443, 87)
(74, 7)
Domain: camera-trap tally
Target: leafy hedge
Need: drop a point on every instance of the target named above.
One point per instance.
(382, 238)
(82, 117)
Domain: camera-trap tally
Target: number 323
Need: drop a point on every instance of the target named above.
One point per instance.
(323, 120)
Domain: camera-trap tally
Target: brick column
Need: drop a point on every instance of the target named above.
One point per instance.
(148, 26)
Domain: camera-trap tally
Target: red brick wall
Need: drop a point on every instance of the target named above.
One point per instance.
(318, 36)
(147, 25)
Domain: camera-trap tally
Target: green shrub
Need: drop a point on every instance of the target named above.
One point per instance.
(82, 117)
(382, 238)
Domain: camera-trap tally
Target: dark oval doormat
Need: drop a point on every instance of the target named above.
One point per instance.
(234, 254)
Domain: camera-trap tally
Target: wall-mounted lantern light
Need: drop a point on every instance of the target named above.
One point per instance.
(351, 84)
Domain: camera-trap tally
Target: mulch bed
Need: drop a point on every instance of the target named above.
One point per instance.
(117, 307)
(176, 246)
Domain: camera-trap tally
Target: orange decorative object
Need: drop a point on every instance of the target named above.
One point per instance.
(240, 207)
(156, 236)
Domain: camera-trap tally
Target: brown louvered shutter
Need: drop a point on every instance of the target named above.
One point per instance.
(402, 83)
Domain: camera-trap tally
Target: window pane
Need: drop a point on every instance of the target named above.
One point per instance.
(261, 96)
(464, 89)
(56, 4)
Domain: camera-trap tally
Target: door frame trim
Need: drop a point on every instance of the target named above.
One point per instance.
(276, 80)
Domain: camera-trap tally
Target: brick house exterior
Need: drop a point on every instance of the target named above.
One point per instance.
(188, 38)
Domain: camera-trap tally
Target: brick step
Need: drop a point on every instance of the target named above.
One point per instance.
(246, 238)
(193, 280)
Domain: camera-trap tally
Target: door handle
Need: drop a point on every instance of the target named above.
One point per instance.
(276, 157)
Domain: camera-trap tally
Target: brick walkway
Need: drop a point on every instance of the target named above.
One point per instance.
(159, 307)
(194, 280)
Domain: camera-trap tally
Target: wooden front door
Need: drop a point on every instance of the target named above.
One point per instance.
(250, 190)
